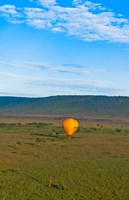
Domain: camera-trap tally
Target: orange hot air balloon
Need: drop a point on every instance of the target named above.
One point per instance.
(70, 126)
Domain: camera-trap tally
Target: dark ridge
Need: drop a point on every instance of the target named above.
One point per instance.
(66, 105)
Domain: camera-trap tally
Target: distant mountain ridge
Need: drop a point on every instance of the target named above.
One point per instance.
(66, 105)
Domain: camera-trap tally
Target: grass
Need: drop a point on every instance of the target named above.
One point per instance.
(39, 162)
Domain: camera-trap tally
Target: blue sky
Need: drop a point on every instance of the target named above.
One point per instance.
(59, 47)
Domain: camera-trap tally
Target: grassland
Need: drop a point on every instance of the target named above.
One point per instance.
(39, 162)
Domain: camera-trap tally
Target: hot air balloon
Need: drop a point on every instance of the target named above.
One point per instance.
(70, 126)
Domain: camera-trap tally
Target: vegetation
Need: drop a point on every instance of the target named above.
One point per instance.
(38, 162)
(66, 105)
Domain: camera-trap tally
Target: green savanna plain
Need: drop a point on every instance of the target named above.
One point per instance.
(39, 162)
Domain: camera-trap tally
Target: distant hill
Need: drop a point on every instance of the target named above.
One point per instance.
(66, 105)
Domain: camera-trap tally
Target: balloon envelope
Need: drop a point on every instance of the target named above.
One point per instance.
(70, 126)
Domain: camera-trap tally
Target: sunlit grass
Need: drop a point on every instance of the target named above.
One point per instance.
(38, 161)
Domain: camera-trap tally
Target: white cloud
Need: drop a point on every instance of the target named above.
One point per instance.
(11, 13)
(48, 3)
(45, 3)
(77, 2)
(39, 18)
(8, 9)
(84, 20)
(88, 4)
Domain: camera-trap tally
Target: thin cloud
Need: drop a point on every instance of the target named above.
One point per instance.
(17, 65)
(66, 86)
(64, 68)
(59, 82)
(15, 76)
(84, 20)
(16, 94)
(81, 86)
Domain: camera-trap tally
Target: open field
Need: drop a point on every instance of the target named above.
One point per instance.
(38, 161)
(85, 120)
